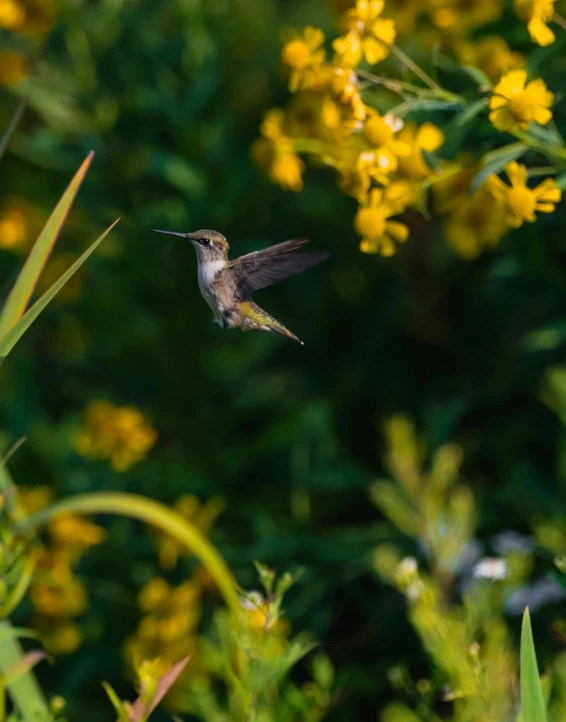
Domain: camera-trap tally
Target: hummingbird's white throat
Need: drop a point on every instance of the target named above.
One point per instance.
(207, 271)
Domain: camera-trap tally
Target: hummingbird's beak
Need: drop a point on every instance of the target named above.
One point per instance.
(170, 233)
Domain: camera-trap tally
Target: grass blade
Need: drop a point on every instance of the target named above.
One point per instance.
(20, 294)
(11, 127)
(532, 700)
(11, 338)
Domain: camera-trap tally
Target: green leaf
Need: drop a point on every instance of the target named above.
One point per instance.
(496, 160)
(20, 294)
(117, 703)
(266, 576)
(532, 699)
(477, 75)
(141, 709)
(11, 127)
(561, 182)
(8, 342)
(470, 112)
(547, 135)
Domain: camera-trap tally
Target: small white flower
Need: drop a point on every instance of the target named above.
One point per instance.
(490, 568)
(394, 123)
(407, 566)
(252, 600)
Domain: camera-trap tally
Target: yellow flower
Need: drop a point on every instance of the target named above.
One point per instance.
(373, 225)
(476, 223)
(17, 221)
(201, 516)
(316, 115)
(12, 15)
(514, 105)
(460, 16)
(491, 54)
(60, 637)
(426, 137)
(27, 17)
(519, 201)
(75, 533)
(537, 13)
(59, 598)
(385, 148)
(412, 169)
(119, 434)
(168, 628)
(365, 34)
(14, 67)
(404, 14)
(345, 87)
(303, 56)
(275, 153)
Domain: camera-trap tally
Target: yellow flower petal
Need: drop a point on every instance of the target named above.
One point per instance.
(538, 94)
(542, 116)
(398, 231)
(540, 32)
(516, 173)
(374, 50)
(511, 84)
(429, 137)
(548, 192)
(383, 30)
(314, 37)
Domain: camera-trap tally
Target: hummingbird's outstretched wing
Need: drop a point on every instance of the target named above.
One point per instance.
(270, 265)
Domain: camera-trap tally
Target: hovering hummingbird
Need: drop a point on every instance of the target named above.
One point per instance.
(227, 285)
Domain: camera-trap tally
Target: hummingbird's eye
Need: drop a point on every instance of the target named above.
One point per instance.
(205, 241)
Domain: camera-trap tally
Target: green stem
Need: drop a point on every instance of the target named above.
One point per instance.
(25, 692)
(419, 72)
(11, 127)
(151, 512)
(396, 86)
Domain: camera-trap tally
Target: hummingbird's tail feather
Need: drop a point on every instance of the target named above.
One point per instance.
(255, 318)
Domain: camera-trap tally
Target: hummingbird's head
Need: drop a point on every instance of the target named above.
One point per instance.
(209, 245)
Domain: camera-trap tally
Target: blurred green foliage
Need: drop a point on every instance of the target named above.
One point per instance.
(170, 97)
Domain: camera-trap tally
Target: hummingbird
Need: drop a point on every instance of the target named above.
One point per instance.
(227, 285)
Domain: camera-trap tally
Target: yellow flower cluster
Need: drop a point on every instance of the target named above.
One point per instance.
(31, 19)
(58, 597)
(117, 433)
(168, 628)
(341, 117)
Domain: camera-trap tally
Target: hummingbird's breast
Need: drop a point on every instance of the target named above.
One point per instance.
(218, 288)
